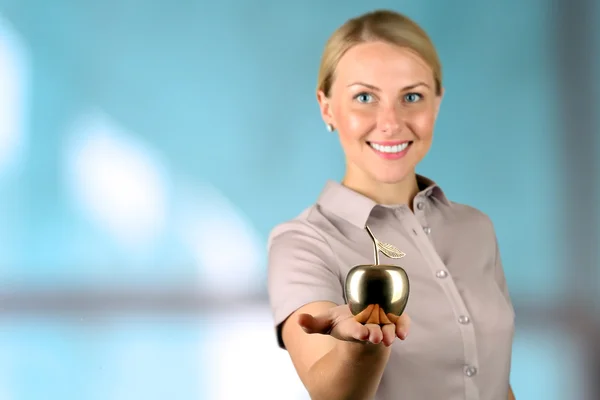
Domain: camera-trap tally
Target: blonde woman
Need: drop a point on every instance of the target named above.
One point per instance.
(380, 89)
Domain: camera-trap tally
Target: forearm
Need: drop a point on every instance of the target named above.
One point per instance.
(511, 394)
(350, 371)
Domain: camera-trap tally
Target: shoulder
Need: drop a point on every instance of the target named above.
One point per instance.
(467, 216)
(305, 228)
(454, 215)
(299, 246)
(468, 224)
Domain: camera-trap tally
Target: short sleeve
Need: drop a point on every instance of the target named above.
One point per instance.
(499, 272)
(301, 270)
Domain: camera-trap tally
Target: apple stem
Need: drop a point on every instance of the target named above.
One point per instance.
(375, 247)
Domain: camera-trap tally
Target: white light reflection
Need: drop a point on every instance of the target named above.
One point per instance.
(355, 286)
(13, 88)
(225, 245)
(117, 181)
(242, 360)
(397, 283)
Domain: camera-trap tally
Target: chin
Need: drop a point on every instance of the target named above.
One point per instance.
(390, 177)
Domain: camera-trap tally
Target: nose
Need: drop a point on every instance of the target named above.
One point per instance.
(390, 120)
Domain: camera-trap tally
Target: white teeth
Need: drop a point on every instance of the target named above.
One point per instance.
(389, 149)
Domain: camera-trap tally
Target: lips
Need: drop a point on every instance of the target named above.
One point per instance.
(389, 147)
(390, 150)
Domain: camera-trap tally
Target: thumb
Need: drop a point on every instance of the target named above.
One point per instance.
(319, 324)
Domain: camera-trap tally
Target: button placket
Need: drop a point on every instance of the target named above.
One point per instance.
(417, 221)
(470, 370)
(419, 213)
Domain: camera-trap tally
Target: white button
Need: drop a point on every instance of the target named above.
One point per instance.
(420, 205)
(463, 319)
(441, 274)
(470, 370)
(427, 230)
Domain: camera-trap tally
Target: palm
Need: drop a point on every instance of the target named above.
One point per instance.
(371, 325)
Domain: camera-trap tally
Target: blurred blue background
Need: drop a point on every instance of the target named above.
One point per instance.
(147, 149)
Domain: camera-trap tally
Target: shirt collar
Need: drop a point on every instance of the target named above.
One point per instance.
(356, 208)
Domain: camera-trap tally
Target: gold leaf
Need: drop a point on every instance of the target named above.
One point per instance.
(390, 250)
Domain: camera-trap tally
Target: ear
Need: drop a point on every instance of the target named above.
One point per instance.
(438, 102)
(325, 106)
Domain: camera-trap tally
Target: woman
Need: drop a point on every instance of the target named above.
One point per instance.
(380, 89)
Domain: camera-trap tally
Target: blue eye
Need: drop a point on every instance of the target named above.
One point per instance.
(412, 97)
(364, 98)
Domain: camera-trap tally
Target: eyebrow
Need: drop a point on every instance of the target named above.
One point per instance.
(372, 87)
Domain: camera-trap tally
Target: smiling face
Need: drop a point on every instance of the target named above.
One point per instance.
(383, 103)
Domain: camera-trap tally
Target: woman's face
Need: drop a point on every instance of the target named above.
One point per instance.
(383, 104)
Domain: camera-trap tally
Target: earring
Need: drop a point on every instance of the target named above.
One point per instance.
(330, 127)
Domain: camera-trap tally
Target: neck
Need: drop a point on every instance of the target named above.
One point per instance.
(402, 192)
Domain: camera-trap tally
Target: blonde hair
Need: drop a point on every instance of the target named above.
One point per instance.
(381, 25)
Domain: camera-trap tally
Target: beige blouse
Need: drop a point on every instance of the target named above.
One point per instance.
(462, 318)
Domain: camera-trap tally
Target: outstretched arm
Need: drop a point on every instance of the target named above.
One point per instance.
(511, 395)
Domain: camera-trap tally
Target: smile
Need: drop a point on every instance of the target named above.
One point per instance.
(390, 151)
(398, 148)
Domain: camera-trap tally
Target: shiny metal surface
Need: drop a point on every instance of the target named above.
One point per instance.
(441, 274)
(470, 371)
(384, 285)
(388, 249)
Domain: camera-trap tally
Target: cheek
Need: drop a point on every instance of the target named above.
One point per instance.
(357, 124)
(352, 123)
(422, 125)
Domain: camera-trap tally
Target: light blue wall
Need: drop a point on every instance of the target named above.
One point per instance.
(209, 110)
(225, 95)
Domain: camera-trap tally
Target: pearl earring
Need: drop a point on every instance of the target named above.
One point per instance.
(330, 127)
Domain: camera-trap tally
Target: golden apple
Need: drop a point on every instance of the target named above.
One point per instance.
(384, 286)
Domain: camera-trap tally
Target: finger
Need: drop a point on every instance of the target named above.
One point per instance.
(402, 323)
(363, 316)
(319, 324)
(375, 334)
(360, 332)
(383, 319)
(374, 317)
(389, 334)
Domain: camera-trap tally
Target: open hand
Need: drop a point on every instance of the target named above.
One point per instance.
(371, 325)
